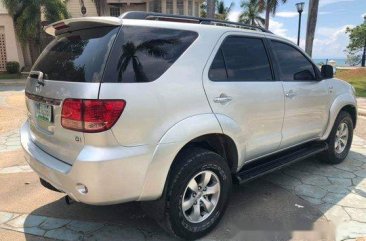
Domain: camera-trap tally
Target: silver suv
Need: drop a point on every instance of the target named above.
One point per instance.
(174, 109)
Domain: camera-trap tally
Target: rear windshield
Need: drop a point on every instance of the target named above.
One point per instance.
(79, 56)
(143, 54)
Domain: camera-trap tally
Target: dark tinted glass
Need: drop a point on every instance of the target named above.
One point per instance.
(293, 64)
(143, 54)
(245, 59)
(79, 56)
(218, 71)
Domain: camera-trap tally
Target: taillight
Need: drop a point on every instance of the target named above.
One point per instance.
(90, 115)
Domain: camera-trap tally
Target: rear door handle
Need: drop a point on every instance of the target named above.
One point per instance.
(223, 99)
(290, 94)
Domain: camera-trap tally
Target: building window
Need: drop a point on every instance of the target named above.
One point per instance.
(190, 7)
(196, 9)
(115, 12)
(169, 7)
(155, 6)
(2, 51)
(180, 7)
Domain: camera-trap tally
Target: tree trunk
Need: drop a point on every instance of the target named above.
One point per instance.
(97, 6)
(311, 26)
(363, 61)
(268, 11)
(211, 8)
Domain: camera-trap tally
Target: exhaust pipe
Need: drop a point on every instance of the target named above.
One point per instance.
(69, 200)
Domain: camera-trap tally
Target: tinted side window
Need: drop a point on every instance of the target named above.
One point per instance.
(143, 54)
(245, 60)
(292, 63)
(217, 71)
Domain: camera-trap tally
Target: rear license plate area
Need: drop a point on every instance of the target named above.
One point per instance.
(44, 112)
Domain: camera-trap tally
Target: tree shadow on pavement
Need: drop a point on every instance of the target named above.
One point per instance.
(309, 200)
(258, 210)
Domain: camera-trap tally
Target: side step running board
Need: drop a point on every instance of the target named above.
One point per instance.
(268, 164)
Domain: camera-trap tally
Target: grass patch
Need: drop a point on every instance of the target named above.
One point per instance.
(356, 77)
(11, 76)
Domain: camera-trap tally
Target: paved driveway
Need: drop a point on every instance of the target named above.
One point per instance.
(306, 201)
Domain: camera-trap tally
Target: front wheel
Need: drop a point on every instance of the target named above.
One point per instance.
(340, 139)
(197, 194)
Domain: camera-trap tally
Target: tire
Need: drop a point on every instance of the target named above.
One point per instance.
(192, 166)
(336, 153)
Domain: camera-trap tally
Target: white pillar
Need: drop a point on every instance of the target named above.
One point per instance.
(185, 7)
(175, 11)
(163, 6)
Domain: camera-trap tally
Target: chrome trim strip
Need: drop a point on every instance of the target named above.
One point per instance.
(42, 99)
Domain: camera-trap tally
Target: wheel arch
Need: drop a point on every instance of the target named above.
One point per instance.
(180, 137)
(219, 143)
(345, 102)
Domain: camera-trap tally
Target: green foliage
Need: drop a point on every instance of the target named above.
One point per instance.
(203, 9)
(272, 5)
(222, 12)
(12, 67)
(357, 37)
(357, 41)
(353, 59)
(27, 15)
(251, 13)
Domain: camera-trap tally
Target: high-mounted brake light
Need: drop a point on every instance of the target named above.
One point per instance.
(91, 115)
(60, 26)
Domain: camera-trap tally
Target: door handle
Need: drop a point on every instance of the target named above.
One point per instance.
(222, 99)
(290, 94)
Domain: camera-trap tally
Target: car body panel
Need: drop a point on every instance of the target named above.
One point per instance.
(257, 107)
(158, 105)
(51, 137)
(306, 113)
(170, 145)
(163, 116)
(341, 95)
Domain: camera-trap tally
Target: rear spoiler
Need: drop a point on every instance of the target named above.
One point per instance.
(73, 24)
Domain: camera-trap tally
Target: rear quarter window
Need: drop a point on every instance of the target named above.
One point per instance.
(143, 54)
(79, 56)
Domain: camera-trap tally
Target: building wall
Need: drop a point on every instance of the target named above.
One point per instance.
(183, 7)
(13, 51)
(74, 8)
(133, 7)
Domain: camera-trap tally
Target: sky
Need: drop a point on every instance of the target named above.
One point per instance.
(333, 18)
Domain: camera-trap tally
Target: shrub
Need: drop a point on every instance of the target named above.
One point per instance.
(12, 67)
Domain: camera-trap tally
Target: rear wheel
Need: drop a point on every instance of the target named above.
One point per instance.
(340, 139)
(197, 194)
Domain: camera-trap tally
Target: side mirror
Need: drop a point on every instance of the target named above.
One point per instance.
(327, 71)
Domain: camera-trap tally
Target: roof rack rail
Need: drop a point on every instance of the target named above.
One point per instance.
(188, 19)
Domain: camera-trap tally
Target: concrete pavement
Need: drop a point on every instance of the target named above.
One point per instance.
(12, 82)
(361, 106)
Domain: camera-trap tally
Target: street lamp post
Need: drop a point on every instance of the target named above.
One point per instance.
(300, 9)
(364, 48)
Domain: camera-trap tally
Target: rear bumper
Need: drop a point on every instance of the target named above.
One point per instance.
(111, 175)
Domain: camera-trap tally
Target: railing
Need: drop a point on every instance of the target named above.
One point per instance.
(188, 19)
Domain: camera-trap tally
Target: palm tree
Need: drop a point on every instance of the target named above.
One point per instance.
(271, 7)
(98, 4)
(155, 47)
(311, 26)
(222, 12)
(27, 16)
(251, 13)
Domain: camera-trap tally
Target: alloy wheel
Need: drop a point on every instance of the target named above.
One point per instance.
(201, 196)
